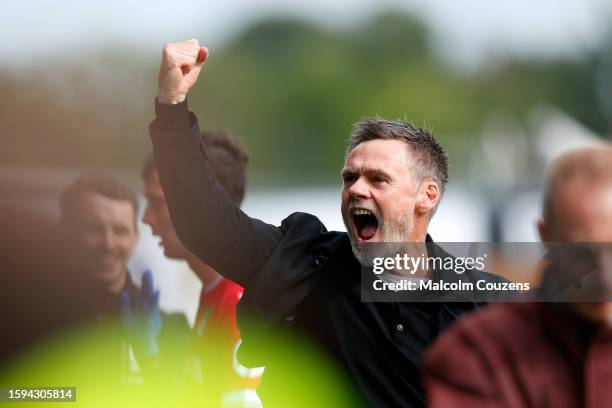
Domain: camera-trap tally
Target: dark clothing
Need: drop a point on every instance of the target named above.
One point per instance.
(141, 352)
(30, 291)
(92, 301)
(297, 276)
(521, 355)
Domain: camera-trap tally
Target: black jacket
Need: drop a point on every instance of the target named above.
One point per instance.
(298, 278)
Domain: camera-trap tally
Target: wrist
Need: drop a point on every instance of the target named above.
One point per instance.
(167, 99)
(171, 117)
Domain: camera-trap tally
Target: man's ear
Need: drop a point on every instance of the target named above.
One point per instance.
(428, 197)
(543, 230)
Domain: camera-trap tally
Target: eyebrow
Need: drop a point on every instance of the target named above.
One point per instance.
(347, 171)
(367, 171)
(378, 172)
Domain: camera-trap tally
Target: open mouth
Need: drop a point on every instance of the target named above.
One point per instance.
(366, 223)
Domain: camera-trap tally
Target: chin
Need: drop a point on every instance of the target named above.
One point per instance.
(172, 254)
(106, 271)
(109, 276)
(364, 253)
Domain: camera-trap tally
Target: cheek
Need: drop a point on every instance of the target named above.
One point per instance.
(162, 216)
(167, 228)
(89, 241)
(167, 220)
(344, 203)
(126, 245)
(344, 196)
(393, 206)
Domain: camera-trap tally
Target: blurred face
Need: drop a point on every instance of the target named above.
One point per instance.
(157, 217)
(103, 237)
(583, 214)
(378, 195)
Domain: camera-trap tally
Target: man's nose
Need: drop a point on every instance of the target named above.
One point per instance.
(360, 189)
(109, 240)
(148, 216)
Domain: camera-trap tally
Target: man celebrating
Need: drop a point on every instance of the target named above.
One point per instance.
(543, 354)
(216, 334)
(299, 276)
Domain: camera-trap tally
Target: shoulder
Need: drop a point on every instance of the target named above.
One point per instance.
(303, 223)
(307, 230)
(479, 356)
(489, 331)
(490, 318)
(229, 293)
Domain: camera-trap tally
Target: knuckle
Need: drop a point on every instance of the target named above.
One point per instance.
(168, 47)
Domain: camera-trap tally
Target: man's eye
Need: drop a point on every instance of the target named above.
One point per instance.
(349, 178)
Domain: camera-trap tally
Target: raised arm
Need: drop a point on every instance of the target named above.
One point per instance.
(205, 219)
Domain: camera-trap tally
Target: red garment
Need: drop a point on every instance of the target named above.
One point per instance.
(521, 355)
(216, 340)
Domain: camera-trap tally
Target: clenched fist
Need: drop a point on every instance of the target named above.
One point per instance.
(180, 66)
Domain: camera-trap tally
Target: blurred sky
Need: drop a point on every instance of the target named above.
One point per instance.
(467, 31)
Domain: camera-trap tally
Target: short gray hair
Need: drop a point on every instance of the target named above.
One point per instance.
(430, 159)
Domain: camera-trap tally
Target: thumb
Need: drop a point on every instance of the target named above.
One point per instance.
(202, 56)
(146, 285)
(155, 301)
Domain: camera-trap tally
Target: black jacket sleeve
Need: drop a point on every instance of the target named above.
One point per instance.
(205, 219)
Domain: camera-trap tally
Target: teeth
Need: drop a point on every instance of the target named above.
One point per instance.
(360, 211)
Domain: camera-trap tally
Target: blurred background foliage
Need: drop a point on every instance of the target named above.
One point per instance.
(291, 91)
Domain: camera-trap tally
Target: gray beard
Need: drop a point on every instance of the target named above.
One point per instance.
(395, 231)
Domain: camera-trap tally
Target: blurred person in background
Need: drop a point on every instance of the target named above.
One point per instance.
(549, 354)
(99, 226)
(31, 291)
(215, 334)
(300, 278)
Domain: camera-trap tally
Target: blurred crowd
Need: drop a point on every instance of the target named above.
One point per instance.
(62, 277)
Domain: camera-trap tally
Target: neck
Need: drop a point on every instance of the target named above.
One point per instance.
(420, 223)
(206, 274)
